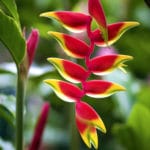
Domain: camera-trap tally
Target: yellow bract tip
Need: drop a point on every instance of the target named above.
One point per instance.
(48, 14)
(55, 34)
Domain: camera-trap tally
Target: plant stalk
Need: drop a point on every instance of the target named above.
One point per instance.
(21, 87)
(75, 144)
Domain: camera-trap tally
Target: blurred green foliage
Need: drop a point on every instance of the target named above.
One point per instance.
(125, 131)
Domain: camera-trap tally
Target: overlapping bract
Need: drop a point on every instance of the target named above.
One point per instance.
(87, 119)
(97, 12)
(115, 31)
(87, 122)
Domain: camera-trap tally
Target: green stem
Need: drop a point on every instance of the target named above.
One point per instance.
(21, 86)
(74, 145)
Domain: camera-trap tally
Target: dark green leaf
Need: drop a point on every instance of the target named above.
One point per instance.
(6, 115)
(12, 8)
(11, 37)
(7, 108)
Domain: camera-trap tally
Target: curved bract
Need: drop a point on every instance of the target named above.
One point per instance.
(103, 65)
(88, 121)
(97, 12)
(65, 91)
(115, 31)
(72, 46)
(101, 88)
(69, 70)
(73, 21)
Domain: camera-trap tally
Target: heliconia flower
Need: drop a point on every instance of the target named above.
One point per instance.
(73, 21)
(114, 33)
(103, 65)
(88, 121)
(72, 46)
(36, 140)
(32, 43)
(69, 70)
(65, 91)
(101, 88)
(97, 12)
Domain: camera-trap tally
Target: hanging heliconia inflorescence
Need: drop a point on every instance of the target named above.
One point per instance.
(87, 119)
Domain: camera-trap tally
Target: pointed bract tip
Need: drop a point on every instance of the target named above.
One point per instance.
(51, 59)
(133, 23)
(43, 15)
(118, 87)
(104, 130)
(46, 81)
(53, 33)
(46, 14)
(125, 57)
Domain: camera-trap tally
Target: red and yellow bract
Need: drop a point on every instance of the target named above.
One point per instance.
(103, 65)
(87, 122)
(73, 21)
(65, 91)
(69, 70)
(72, 46)
(101, 88)
(114, 33)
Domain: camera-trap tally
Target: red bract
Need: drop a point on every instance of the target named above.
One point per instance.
(87, 119)
(102, 65)
(96, 11)
(32, 43)
(69, 70)
(65, 91)
(72, 46)
(73, 21)
(101, 89)
(114, 33)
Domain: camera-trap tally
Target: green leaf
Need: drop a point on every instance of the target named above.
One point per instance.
(125, 136)
(11, 37)
(9, 102)
(135, 133)
(12, 8)
(139, 120)
(7, 108)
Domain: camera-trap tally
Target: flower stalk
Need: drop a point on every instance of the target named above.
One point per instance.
(21, 89)
(22, 76)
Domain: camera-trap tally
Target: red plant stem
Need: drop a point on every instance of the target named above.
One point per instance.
(87, 58)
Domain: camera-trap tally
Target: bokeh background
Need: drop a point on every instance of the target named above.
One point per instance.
(126, 114)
